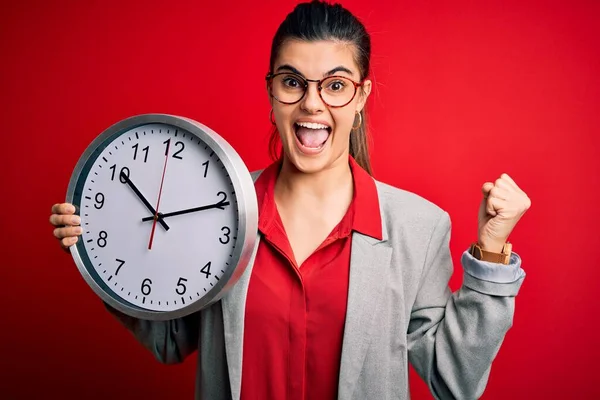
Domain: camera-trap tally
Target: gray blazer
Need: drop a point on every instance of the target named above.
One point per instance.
(400, 310)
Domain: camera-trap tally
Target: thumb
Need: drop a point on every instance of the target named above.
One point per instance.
(485, 189)
(485, 209)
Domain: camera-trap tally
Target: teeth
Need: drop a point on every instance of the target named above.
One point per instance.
(312, 125)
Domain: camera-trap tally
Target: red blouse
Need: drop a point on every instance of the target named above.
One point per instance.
(294, 321)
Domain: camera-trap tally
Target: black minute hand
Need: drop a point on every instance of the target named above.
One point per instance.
(143, 199)
(220, 205)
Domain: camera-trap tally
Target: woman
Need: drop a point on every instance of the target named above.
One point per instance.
(350, 280)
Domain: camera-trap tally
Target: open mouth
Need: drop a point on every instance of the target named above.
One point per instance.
(312, 136)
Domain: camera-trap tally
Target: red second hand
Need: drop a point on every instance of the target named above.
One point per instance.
(159, 194)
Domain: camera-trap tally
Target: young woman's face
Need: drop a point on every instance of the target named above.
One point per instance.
(314, 135)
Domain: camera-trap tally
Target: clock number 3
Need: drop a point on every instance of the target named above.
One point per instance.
(225, 238)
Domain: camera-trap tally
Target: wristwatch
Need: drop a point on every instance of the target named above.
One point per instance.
(502, 258)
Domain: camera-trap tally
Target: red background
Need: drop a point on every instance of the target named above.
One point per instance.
(463, 92)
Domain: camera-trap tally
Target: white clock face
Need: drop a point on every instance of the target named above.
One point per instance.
(162, 264)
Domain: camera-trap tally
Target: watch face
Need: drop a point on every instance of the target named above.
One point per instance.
(160, 218)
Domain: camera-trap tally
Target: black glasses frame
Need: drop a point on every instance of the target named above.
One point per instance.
(319, 82)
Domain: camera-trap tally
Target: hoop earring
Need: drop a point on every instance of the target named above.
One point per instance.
(359, 122)
(272, 117)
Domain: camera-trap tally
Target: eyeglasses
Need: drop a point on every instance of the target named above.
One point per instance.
(289, 88)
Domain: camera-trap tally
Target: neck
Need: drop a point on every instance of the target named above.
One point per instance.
(321, 185)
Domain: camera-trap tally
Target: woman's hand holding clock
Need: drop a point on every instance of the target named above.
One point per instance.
(66, 224)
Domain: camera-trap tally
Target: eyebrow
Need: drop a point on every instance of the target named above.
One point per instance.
(340, 68)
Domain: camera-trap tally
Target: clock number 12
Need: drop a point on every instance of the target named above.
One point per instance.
(177, 144)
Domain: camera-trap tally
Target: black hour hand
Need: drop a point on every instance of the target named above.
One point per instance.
(220, 205)
(139, 194)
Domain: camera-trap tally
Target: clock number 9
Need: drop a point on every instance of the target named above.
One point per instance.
(146, 289)
(124, 170)
(99, 200)
(102, 238)
(180, 285)
(225, 238)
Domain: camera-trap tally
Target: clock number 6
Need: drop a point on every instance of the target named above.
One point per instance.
(180, 285)
(146, 289)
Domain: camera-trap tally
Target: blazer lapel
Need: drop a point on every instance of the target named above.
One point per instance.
(369, 265)
(234, 307)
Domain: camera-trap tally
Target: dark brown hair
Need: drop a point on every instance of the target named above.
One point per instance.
(318, 20)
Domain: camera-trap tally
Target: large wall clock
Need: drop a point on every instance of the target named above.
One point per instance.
(169, 216)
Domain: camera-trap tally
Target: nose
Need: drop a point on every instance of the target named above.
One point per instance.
(312, 102)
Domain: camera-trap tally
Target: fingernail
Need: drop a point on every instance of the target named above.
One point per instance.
(71, 208)
(78, 229)
(76, 220)
(73, 240)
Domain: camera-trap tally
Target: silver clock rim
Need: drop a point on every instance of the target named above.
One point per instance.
(243, 185)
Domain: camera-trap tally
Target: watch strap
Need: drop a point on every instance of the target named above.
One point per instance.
(501, 258)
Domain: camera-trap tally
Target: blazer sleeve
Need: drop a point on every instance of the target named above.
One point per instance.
(169, 341)
(454, 337)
